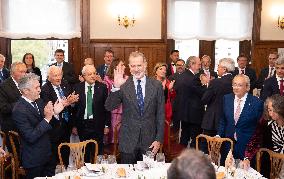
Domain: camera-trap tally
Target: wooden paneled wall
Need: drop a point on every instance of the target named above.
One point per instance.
(154, 52)
(260, 52)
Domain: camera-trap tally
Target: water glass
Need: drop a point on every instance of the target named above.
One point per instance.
(111, 159)
(99, 159)
(160, 157)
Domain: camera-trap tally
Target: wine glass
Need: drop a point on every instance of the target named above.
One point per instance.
(160, 157)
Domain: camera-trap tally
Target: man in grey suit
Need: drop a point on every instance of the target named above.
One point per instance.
(143, 114)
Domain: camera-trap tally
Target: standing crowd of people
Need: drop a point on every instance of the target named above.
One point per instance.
(189, 96)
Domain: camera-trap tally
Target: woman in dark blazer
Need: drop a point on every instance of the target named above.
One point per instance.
(269, 132)
(29, 60)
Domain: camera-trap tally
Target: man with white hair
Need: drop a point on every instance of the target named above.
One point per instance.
(56, 89)
(32, 119)
(214, 94)
(92, 120)
(4, 72)
(240, 115)
(9, 95)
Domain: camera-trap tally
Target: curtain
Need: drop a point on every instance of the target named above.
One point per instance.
(210, 19)
(40, 19)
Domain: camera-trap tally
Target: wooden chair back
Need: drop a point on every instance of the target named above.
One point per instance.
(276, 162)
(214, 146)
(15, 143)
(3, 136)
(77, 152)
(7, 162)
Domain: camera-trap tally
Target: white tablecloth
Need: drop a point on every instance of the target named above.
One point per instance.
(159, 171)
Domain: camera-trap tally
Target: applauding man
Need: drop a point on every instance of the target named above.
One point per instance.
(32, 120)
(143, 114)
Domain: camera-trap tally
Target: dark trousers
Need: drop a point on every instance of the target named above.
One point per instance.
(203, 144)
(189, 131)
(90, 132)
(136, 155)
(41, 171)
(132, 158)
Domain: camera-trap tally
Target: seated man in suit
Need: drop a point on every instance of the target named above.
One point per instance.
(267, 72)
(108, 57)
(274, 84)
(57, 89)
(9, 95)
(67, 68)
(92, 120)
(174, 56)
(143, 110)
(32, 119)
(241, 113)
(244, 69)
(4, 72)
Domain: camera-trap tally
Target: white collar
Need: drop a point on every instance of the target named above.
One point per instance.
(243, 98)
(143, 79)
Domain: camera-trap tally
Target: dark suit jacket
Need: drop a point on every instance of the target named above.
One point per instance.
(213, 98)
(9, 95)
(262, 76)
(251, 74)
(246, 124)
(35, 144)
(60, 127)
(101, 115)
(188, 94)
(5, 73)
(147, 128)
(270, 87)
(68, 73)
(101, 70)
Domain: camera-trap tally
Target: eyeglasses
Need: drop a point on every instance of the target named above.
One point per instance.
(236, 85)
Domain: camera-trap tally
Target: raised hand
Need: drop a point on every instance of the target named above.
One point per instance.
(119, 78)
(48, 111)
(98, 78)
(59, 106)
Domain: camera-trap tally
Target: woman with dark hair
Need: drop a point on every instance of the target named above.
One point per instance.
(160, 71)
(29, 60)
(108, 80)
(269, 132)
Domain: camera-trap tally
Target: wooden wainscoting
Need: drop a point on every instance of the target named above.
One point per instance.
(154, 52)
(260, 52)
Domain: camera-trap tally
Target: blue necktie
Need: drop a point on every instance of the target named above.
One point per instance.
(140, 99)
(65, 112)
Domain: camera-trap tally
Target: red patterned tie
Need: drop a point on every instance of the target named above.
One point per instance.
(281, 87)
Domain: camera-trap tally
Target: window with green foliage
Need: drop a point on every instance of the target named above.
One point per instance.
(43, 51)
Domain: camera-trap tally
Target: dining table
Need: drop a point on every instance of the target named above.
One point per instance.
(138, 171)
